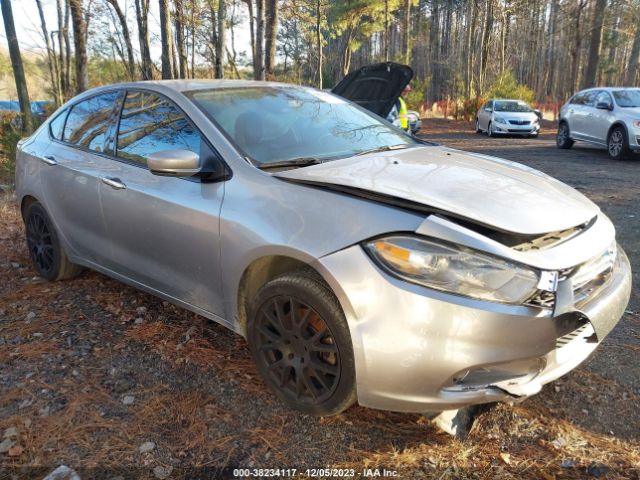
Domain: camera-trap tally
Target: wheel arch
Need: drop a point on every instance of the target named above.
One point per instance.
(618, 123)
(258, 273)
(26, 202)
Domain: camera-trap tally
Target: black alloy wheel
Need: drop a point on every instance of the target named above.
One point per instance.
(298, 349)
(301, 344)
(40, 243)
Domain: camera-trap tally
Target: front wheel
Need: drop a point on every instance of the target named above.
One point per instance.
(617, 144)
(490, 132)
(563, 140)
(300, 342)
(48, 257)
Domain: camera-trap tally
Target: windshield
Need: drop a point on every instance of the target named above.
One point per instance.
(502, 106)
(275, 124)
(627, 98)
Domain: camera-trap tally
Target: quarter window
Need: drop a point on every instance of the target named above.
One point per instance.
(150, 124)
(57, 124)
(88, 121)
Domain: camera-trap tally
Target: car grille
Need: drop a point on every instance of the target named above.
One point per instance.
(519, 122)
(571, 336)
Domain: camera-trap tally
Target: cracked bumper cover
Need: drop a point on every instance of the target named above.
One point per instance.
(412, 344)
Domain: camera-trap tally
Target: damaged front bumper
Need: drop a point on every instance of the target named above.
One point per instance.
(419, 350)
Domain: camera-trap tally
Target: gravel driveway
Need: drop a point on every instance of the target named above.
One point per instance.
(113, 382)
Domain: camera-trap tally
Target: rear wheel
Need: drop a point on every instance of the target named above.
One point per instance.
(478, 129)
(48, 257)
(617, 144)
(563, 140)
(301, 344)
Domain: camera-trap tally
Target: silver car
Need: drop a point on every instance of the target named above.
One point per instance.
(360, 263)
(510, 117)
(609, 117)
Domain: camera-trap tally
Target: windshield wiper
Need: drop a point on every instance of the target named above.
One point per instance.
(386, 148)
(293, 162)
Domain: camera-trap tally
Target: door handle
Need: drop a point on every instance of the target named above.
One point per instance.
(113, 183)
(49, 160)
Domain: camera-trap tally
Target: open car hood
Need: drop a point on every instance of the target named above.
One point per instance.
(375, 87)
(486, 191)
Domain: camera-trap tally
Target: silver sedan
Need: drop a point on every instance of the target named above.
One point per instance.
(361, 264)
(507, 117)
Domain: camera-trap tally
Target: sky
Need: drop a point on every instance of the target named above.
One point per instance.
(27, 21)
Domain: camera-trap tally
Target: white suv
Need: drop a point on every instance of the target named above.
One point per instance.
(609, 117)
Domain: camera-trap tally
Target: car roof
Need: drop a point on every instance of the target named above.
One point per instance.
(507, 100)
(188, 85)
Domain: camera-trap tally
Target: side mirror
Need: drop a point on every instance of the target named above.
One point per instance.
(488, 110)
(604, 106)
(174, 163)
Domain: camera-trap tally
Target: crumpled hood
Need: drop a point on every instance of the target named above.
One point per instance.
(504, 195)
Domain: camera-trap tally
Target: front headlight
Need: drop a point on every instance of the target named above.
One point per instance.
(636, 124)
(454, 269)
(500, 120)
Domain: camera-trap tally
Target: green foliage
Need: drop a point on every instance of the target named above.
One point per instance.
(506, 86)
(415, 98)
(9, 137)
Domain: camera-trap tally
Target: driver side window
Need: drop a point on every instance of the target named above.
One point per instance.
(488, 107)
(150, 124)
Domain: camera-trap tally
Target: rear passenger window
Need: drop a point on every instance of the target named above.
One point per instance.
(57, 124)
(150, 124)
(88, 121)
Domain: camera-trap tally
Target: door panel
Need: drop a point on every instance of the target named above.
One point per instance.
(71, 196)
(599, 120)
(164, 234)
(164, 231)
(70, 178)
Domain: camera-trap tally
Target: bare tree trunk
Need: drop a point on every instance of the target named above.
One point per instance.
(16, 65)
(406, 31)
(594, 45)
(142, 13)
(252, 33)
(319, 40)
(258, 74)
(80, 45)
(632, 69)
(167, 40)
(131, 63)
(67, 49)
(51, 63)
(220, 46)
(180, 44)
(575, 51)
(386, 30)
(271, 37)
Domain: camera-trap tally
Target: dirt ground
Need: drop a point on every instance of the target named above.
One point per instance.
(115, 383)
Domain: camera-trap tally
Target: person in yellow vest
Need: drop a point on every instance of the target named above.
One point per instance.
(402, 109)
(398, 115)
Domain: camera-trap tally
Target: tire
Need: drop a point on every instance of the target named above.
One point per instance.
(534, 135)
(490, 130)
(563, 139)
(618, 144)
(47, 255)
(478, 129)
(306, 358)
